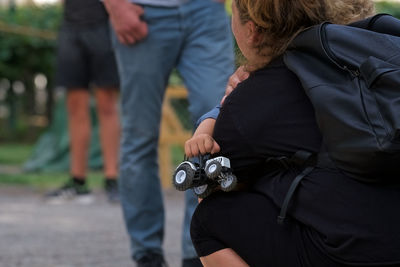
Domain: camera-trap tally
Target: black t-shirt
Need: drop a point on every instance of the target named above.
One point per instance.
(269, 115)
(83, 12)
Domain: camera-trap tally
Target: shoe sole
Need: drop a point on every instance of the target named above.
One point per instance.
(81, 200)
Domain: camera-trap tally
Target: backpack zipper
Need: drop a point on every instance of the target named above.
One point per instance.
(322, 33)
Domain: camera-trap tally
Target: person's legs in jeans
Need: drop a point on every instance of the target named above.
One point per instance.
(144, 71)
(206, 62)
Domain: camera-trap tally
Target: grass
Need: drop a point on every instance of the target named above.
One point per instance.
(46, 181)
(12, 156)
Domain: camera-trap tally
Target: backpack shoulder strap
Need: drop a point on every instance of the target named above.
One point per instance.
(381, 23)
(308, 161)
(289, 194)
(301, 159)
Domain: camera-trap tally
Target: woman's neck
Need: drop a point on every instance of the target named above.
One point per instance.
(260, 62)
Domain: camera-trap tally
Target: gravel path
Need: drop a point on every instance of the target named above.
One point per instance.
(36, 234)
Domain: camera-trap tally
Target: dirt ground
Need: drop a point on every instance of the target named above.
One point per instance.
(36, 234)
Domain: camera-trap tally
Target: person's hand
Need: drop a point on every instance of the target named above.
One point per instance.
(125, 19)
(201, 144)
(239, 76)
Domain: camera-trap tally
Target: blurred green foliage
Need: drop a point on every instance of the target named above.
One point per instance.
(228, 6)
(22, 56)
(392, 8)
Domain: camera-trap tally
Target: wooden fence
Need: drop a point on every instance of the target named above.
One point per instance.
(172, 133)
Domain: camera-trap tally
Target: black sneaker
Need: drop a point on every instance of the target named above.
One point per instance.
(151, 260)
(111, 188)
(70, 192)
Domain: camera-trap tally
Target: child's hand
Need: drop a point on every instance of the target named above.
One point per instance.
(201, 144)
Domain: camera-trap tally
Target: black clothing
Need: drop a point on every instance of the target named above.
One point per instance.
(85, 57)
(333, 219)
(84, 12)
(270, 116)
(246, 222)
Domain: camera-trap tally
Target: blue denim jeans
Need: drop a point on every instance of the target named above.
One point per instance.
(195, 38)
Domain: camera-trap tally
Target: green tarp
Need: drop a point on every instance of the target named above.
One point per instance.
(51, 152)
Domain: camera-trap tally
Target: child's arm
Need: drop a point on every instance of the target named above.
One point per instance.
(212, 114)
(202, 142)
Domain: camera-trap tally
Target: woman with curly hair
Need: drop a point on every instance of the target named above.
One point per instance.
(333, 220)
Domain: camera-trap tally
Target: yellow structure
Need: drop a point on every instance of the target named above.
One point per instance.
(172, 133)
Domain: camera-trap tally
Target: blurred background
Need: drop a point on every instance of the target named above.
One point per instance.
(34, 153)
(33, 129)
(34, 142)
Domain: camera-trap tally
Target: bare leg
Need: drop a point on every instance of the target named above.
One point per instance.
(225, 257)
(79, 130)
(107, 110)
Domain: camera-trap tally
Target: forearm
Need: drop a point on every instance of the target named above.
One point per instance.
(211, 114)
(205, 127)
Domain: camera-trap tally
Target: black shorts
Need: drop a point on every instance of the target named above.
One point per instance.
(247, 223)
(85, 57)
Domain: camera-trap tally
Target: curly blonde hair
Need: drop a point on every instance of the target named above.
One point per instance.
(279, 21)
(347, 11)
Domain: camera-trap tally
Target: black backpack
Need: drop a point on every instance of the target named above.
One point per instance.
(352, 76)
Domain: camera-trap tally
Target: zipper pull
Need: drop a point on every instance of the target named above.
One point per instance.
(354, 73)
